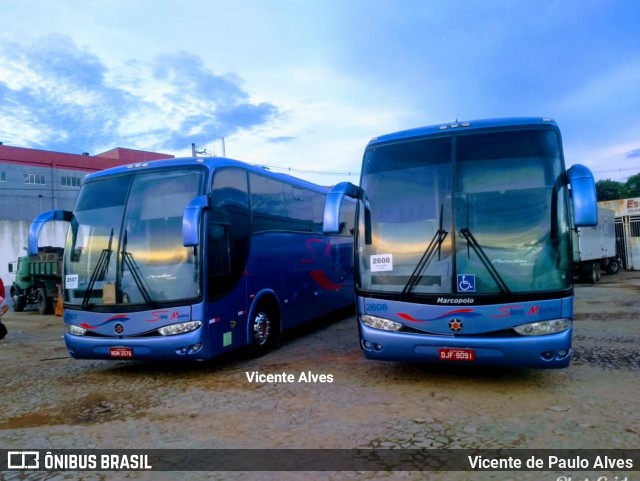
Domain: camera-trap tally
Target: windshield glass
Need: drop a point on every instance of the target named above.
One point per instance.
(491, 220)
(409, 194)
(125, 241)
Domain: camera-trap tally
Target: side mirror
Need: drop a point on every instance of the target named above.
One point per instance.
(583, 195)
(39, 222)
(331, 221)
(191, 220)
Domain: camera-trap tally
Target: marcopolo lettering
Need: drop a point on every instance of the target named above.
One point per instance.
(455, 300)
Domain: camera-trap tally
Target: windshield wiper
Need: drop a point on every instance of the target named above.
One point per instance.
(99, 272)
(129, 261)
(471, 241)
(436, 243)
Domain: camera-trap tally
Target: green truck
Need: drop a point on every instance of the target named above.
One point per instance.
(37, 280)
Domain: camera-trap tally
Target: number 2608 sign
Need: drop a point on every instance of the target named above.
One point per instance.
(381, 262)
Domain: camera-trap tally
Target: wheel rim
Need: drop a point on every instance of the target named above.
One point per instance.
(261, 328)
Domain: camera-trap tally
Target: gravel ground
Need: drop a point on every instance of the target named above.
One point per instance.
(51, 401)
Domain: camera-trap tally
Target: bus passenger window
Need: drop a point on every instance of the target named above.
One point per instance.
(219, 252)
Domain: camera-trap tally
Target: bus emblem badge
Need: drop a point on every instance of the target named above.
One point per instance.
(119, 328)
(455, 325)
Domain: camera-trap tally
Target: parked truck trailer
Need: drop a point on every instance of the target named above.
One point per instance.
(594, 248)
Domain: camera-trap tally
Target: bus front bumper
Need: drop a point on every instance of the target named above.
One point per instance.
(551, 351)
(188, 346)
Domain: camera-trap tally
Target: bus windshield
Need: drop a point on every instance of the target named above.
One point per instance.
(469, 213)
(126, 247)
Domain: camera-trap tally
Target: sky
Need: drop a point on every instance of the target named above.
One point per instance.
(301, 86)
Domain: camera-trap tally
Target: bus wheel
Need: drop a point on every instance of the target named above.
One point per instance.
(265, 331)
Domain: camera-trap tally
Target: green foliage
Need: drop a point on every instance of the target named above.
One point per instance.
(609, 189)
(632, 186)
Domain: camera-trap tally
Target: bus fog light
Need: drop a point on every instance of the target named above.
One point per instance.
(182, 351)
(380, 323)
(541, 328)
(76, 330)
(180, 328)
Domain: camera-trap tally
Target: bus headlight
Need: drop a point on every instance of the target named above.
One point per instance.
(180, 328)
(75, 330)
(380, 323)
(541, 328)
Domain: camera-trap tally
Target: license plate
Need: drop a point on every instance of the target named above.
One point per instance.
(454, 354)
(121, 352)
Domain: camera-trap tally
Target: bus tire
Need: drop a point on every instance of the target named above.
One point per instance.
(265, 327)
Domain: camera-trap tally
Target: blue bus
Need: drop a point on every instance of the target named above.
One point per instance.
(463, 247)
(193, 258)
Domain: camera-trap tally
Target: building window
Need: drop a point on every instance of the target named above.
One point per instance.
(3, 176)
(34, 178)
(70, 181)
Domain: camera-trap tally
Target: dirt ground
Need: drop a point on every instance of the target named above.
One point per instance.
(51, 401)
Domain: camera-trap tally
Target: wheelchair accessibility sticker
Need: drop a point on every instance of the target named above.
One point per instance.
(466, 283)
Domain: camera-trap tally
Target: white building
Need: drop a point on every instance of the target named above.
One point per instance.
(33, 181)
(627, 230)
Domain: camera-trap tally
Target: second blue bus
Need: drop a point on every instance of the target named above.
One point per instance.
(463, 243)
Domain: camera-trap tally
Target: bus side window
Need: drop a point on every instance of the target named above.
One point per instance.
(219, 251)
(229, 230)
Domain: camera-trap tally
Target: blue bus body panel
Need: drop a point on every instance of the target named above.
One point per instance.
(525, 352)
(137, 329)
(312, 273)
(132, 324)
(452, 127)
(143, 348)
(498, 345)
(309, 274)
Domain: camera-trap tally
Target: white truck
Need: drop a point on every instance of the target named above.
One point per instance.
(594, 248)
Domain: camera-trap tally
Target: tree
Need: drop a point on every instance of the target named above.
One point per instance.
(632, 187)
(610, 189)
